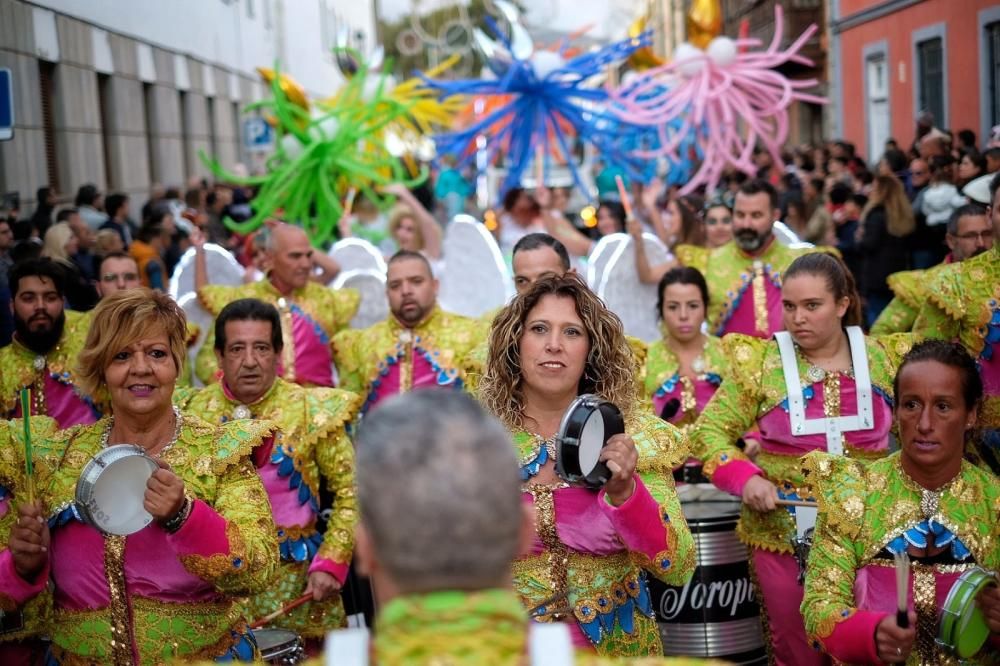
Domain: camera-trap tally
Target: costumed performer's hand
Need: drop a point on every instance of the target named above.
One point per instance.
(634, 228)
(164, 493)
(989, 603)
(197, 238)
(760, 494)
(322, 585)
(751, 447)
(29, 541)
(621, 458)
(892, 642)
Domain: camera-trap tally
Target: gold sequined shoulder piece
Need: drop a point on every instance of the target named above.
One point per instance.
(945, 291)
(839, 484)
(909, 287)
(693, 256)
(746, 358)
(214, 297)
(227, 443)
(660, 445)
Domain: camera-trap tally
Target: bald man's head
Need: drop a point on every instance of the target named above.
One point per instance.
(290, 257)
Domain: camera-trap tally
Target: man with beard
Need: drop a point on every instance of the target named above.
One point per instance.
(744, 275)
(312, 448)
(47, 341)
(963, 303)
(418, 345)
(311, 314)
(969, 234)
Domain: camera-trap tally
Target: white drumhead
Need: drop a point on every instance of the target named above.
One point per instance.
(118, 493)
(591, 442)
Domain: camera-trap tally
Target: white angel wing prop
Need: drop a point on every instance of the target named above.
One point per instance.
(475, 278)
(357, 254)
(623, 293)
(222, 269)
(370, 283)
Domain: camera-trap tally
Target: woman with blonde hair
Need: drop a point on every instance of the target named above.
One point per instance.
(887, 223)
(170, 590)
(592, 550)
(60, 245)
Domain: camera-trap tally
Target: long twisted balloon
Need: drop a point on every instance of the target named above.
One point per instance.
(731, 101)
(318, 159)
(543, 101)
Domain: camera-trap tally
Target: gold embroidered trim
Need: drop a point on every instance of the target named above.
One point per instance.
(556, 551)
(759, 298)
(288, 353)
(213, 567)
(121, 625)
(406, 363)
(924, 603)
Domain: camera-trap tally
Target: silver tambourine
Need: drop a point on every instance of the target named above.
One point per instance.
(110, 490)
(586, 427)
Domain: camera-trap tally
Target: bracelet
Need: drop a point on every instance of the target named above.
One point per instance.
(175, 522)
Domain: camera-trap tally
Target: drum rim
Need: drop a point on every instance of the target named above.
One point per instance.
(567, 438)
(86, 483)
(965, 589)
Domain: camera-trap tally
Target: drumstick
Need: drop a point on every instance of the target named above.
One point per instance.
(788, 502)
(540, 165)
(902, 583)
(29, 463)
(624, 196)
(349, 202)
(290, 606)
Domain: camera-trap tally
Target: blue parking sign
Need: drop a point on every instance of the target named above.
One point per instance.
(6, 105)
(257, 133)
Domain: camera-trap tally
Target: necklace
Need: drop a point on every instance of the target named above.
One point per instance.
(178, 420)
(548, 444)
(815, 373)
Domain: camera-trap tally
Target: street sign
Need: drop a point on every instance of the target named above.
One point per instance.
(6, 105)
(257, 134)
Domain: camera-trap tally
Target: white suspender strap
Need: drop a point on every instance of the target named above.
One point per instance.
(835, 426)
(346, 647)
(549, 644)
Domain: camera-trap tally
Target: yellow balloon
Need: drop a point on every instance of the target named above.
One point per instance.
(643, 58)
(704, 22)
(293, 91)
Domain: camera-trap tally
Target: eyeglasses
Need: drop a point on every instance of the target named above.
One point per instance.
(115, 277)
(975, 235)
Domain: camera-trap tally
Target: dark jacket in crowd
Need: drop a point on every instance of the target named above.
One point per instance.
(881, 254)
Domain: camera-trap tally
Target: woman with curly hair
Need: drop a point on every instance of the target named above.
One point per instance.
(592, 550)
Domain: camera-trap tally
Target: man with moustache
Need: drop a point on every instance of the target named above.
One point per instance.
(311, 314)
(969, 234)
(744, 275)
(418, 345)
(42, 355)
(312, 448)
(963, 303)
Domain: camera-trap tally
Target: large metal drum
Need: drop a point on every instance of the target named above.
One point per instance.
(716, 614)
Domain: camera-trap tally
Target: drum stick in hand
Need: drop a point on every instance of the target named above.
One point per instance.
(788, 502)
(902, 584)
(29, 462)
(626, 203)
(290, 606)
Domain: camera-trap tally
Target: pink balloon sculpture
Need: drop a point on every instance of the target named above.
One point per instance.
(731, 101)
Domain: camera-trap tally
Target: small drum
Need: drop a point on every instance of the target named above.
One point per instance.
(110, 490)
(586, 427)
(716, 614)
(278, 646)
(962, 628)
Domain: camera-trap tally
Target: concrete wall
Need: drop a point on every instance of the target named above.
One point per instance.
(140, 89)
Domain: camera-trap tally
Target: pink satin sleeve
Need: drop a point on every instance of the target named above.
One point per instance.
(637, 520)
(733, 476)
(203, 533)
(853, 640)
(14, 590)
(336, 569)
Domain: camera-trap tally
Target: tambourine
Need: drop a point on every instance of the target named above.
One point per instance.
(962, 629)
(586, 427)
(111, 488)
